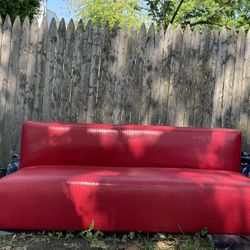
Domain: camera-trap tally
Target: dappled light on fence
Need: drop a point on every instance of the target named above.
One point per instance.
(89, 74)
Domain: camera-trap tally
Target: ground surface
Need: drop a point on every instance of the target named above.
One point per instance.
(92, 240)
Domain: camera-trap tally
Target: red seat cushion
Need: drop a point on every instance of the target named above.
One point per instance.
(125, 199)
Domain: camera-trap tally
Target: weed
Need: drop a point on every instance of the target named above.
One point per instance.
(131, 235)
(203, 232)
(90, 234)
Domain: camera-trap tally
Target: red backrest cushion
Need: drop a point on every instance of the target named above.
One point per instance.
(129, 146)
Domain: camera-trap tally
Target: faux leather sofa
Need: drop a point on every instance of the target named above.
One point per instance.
(127, 178)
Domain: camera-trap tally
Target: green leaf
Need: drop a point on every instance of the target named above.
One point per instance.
(89, 235)
(92, 225)
(204, 232)
(83, 234)
(98, 234)
(211, 13)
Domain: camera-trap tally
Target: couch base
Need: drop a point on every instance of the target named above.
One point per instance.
(125, 199)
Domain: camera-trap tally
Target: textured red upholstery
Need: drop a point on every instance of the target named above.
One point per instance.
(129, 146)
(127, 178)
(125, 199)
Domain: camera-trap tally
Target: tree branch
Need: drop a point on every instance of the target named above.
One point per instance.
(206, 22)
(176, 11)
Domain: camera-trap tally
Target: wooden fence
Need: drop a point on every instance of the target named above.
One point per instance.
(111, 75)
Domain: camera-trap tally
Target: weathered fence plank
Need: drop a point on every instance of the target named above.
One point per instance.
(64, 112)
(156, 82)
(184, 109)
(49, 71)
(1, 34)
(245, 100)
(174, 88)
(238, 77)
(103, 72)
(4, 68)
(85, 72)
(21, 85)
(210, 83)
(195, 96)
(146, 98)
(108, 104)
(40, 70)
(94, 74)
(58, 73)
(11, 90)
(31, 71)
(161, 115)
(76, 96)
(153, 82)
(136, 117)
(228, 84)
(201, 89)
(130, 91)
(166, 59)
(220, 69)
(118, 112)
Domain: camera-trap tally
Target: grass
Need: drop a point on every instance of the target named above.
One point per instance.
(90, 239)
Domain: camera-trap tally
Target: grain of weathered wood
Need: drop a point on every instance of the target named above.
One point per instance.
(11, 91)
(196, 77)
(130, 92)
(154, 116)
(94, 74)
(245, 100)
(118, 113)
(49, 71)
(76, 95)
(166, 58)
(229, 80)
(103, 72)
(20, 86)
(31, 71)
(136, 117)
(85, 72)
(120, 76)
(58, 73)
(154, 74)
(1, 33)
(219, 79)
(184, 108)
(210, 84)
(146, 97)
(121, 85)
(175, 66)
(202, 84)
(238, 77)
(108, 104)
(161, 83)
(40, 69)
(4, 68)
(64, 111)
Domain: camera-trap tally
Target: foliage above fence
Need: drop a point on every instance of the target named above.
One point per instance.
(111, 75)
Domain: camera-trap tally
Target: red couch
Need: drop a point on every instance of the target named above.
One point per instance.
(127, 178)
